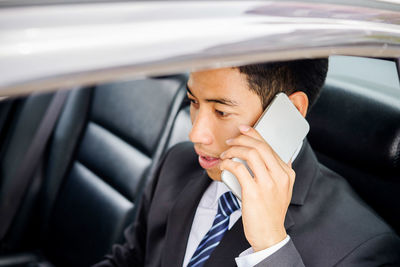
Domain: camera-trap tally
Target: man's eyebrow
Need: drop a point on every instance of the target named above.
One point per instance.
(222, 101)
(188, 89)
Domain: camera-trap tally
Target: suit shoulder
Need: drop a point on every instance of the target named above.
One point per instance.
(182, 149)
(343, 196)
(182, 154)
(334, 216)
(179, 160)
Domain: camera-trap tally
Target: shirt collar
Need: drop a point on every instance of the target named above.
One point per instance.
(212, 194)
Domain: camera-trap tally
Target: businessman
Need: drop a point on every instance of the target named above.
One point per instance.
(296, 214)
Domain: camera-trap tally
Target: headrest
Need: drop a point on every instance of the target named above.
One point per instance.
(358, 127)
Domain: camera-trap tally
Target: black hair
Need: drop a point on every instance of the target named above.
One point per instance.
(268, 79)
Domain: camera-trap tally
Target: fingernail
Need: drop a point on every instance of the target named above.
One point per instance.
(222, 155)
(244, 128)
(229, 141)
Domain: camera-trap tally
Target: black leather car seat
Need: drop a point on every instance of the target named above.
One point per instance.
(106, 145)
(22, 119)
(126, 132)
(358, 136)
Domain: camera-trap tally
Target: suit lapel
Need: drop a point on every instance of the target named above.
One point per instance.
(306, 168)
(181, 218)
(289, 222)
(232, 244)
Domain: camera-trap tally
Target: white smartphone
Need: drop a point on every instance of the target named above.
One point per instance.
(282, 127)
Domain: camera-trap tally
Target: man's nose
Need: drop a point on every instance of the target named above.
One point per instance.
(201, 131)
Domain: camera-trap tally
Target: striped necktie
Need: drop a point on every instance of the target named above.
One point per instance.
(227, 204)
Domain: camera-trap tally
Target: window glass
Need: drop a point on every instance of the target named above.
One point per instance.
(376, 77)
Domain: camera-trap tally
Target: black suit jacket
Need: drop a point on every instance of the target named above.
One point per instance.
(328, 224)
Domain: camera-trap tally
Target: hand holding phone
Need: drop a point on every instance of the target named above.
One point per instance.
(267, 189)
(282, 127)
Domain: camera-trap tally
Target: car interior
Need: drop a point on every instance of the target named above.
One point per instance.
(108, 139)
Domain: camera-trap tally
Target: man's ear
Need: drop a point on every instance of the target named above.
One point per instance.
(300, 100)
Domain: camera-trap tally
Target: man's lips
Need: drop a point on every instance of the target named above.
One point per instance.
(206, 161)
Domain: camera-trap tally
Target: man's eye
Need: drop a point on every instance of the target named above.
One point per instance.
(221, 113)
(192, 101)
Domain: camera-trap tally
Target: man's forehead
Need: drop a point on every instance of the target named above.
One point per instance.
(225, 86)
(226, 82)
(219, 76)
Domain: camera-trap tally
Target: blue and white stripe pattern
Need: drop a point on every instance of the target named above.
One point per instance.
(227, 204)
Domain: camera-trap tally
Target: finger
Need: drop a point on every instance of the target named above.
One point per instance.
(292, 173)
(286, 175)
(253, 159)
(288, 178)
(251, 132)
(289, 166)
(268, 170)
(240, 171)
(285, 166)
(265, 150)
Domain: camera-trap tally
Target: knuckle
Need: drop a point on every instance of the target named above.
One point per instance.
(253, 153)
(284, 181)
(223, 164)
(287, 178)
(292, 174)
(287, 182)
(237, 166)
(238, 139)
(268, 184)
(227, 153)
(265, 146)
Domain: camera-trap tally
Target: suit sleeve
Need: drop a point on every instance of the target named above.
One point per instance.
(381, 250)
(287, 256)
(133, 251)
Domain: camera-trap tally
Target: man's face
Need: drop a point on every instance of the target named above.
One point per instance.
(220, 101)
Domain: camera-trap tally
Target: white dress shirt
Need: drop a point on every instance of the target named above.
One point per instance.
(203, 220)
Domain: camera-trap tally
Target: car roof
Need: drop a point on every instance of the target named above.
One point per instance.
(46, 47)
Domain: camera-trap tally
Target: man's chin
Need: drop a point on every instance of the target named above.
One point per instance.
(214, 174)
